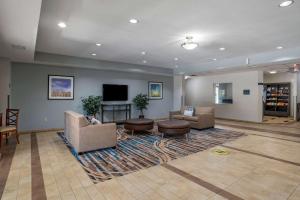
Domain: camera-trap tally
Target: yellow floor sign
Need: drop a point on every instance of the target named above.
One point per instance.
(221, 152)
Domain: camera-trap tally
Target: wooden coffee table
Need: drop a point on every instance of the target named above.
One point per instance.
(174, 127)
(138, 125)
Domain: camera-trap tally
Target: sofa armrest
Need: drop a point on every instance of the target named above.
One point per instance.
(171, 113)
(97, 136)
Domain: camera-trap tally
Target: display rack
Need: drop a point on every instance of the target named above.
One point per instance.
(277, 102)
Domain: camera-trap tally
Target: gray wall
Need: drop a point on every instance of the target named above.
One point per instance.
(298, 87)
(29, 93)
(5, 74)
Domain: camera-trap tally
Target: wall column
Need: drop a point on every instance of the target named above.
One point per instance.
(5, 78)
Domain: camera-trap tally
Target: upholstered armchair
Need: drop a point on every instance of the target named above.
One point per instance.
(204, 117)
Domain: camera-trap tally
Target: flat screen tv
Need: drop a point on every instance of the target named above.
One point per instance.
(112, 92)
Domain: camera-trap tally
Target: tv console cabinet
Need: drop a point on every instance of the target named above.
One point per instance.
(114, 109)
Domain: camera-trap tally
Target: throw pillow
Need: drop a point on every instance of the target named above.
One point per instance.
(95, 121)
(189, 111)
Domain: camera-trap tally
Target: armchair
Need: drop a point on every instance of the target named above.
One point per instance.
(204, 117)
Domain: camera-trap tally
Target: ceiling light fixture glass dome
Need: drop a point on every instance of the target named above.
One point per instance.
(189, 44)
(286, 3)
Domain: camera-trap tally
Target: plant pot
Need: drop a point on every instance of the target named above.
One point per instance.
(141, 117)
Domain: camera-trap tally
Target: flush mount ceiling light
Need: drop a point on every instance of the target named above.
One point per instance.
(93, 54)
(214, 59)
(143, 52)
(133, 21)
(144, 61)
(222, 48)
(189, 44)
(62, 24)
(273, 72)
(176, 59)
(286, 3)
(279, 47)
(98, 44)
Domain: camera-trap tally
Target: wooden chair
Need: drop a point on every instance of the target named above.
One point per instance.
(11, 125)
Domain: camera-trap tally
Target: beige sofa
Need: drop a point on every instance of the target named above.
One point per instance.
(204, 117)
(85, 137)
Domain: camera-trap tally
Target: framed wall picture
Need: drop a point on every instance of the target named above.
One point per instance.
(155, 90)
(246, 92)
(60, 87)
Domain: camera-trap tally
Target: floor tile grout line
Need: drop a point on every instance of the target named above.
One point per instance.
(261, 130)
(202, 183)
(261, 135)
(264, 124)
(273, 137)
(293, 192)
(8, 152)
(261, 155)
(37, 181)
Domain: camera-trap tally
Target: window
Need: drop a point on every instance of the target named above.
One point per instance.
(223, 93)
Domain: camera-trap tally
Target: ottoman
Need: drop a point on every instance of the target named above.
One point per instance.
(138, 125)
(174, 127)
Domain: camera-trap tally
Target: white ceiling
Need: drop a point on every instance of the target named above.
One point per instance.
(245, 28)
(18, 28)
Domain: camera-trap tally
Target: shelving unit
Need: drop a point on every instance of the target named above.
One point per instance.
(277, 99)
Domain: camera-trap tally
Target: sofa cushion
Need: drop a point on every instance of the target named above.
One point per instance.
(191, 118)
(177, 116)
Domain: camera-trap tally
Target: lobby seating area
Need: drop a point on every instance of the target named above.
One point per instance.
(149, 100)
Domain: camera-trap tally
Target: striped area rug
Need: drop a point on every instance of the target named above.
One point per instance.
(145, 150)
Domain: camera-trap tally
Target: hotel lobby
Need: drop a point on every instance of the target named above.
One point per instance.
(148, 100)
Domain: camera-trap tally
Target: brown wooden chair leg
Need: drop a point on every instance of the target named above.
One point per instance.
(17, 137)
(6, 138)
(0, 140)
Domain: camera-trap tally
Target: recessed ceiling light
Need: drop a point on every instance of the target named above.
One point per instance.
(279, 47)
(222, 48)
(214, 59)
(144, 61)
(133, 21)
(176, 59)
(286, 3)
(93, 54)
(98, 44)
(273, 72)
(189, 44)
(143, 52)
(62, 24)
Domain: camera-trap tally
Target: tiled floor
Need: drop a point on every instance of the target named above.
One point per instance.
(262, 165)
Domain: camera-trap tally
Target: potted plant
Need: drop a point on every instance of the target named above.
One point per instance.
(91, 105)
(141, 101)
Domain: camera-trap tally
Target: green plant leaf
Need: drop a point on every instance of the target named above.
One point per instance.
(91, 104)
(141, 101)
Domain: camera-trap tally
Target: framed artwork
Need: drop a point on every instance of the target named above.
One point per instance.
(155, 90)
(60, 87)
(246, 92)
